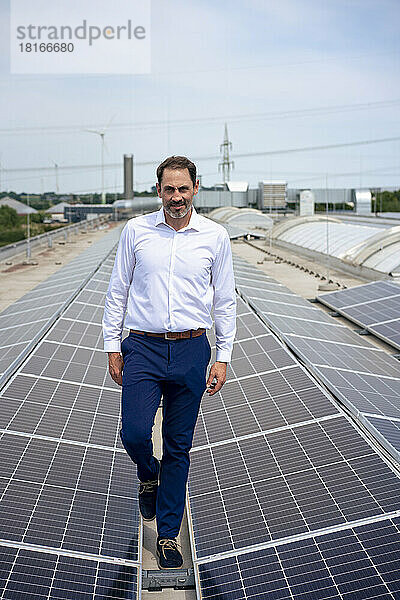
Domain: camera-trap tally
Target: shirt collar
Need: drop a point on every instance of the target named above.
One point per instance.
(194, 222)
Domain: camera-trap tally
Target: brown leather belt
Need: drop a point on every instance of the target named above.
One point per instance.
(173, 335)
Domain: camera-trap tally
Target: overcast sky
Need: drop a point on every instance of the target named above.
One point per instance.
(283, 74)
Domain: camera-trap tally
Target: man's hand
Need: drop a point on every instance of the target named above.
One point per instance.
(218, 372)
(115, 366)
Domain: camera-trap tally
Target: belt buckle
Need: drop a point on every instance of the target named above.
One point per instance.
(168, 333)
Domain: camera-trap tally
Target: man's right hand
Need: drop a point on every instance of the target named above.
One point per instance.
(115, 366)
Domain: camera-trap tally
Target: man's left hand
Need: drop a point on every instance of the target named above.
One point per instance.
(218, 372)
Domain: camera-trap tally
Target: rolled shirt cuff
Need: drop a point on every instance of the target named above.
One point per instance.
(223, 356)
(112, 346)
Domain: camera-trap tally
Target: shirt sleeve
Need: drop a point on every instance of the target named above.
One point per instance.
(224, 300)
(118, 291)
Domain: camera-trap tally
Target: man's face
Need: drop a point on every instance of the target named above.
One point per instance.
(177, 192)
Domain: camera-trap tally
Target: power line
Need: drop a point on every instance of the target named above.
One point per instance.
(63, 168)
(313, 148)
(224, 68)
(306, 112)
(382, 170)
(212, 157)
(282, 64)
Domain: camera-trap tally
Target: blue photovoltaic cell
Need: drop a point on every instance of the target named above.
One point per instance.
(352, 564)
(66, 484)
(29, 575)
(260, 403)
(365, 378)
(375, 306)
(90, 506)
(390, 332)
(389, 429)
(344, 357)
(22, 321)
(287, 482)
(364, 393)
(250, 487)
(360, 294)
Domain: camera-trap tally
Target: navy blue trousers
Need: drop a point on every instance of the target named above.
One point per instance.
(177, 371)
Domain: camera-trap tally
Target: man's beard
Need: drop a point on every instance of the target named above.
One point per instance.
(178, 214)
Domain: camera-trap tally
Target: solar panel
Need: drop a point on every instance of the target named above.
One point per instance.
(345, 356)
(259, 403)
(365, 378)
(375, 306)
(360, 294)
(282, 463)
(390, 332)
(27, 318)
(85, 507)
(253, 280)
(301, 311)
(261, 392)
(253, 358)
(27, 574)
(277, 469)
(378, 311)
(317, 330)
(359, 562)
(61, 410)
(283, 483)
(363, 392)
(389, 429)
(69, 518)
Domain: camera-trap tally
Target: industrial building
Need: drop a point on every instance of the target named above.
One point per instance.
(277, 199)
(56, 212)
(20, 207)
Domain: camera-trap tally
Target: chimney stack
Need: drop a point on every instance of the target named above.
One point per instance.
(128, 176)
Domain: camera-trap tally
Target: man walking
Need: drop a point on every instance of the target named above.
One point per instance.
(171, 268)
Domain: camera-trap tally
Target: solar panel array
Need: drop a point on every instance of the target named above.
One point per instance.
(286, 498)
(279, 474)
(365, 378)
(26, 319)
(69, 519)
(352, 563)
(375, 306)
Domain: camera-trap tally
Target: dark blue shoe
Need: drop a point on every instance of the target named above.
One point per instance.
(148, 498)
(168, 555)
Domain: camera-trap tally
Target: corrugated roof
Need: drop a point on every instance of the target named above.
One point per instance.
(341, 236)
(358, 244)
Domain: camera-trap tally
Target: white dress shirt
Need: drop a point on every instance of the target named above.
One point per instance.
(167, 280)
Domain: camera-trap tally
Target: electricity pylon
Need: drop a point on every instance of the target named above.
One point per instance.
(226, 163)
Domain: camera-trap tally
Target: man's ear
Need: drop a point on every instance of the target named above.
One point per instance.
(158, 190)
(196, 188)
